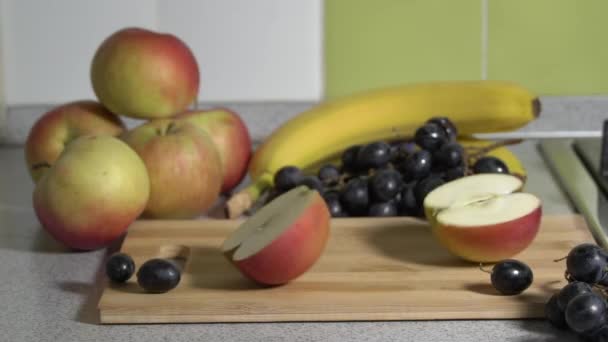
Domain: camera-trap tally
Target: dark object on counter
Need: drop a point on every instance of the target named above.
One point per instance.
(511, 277)
(604, 156)
(158, 276)
(120, 267)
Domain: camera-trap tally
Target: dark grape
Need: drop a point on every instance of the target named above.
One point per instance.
(490, 165)
(120, 267)
(417, 166)
(332, 199)
(587, 263)
(329, 175)
(355, 197)
(425, 186)
(401, 150)
(586, 313)
(407, 205)
(449, 155)
(349, 159)
(430, 136)
(511, 277)
(385, 184)
(454, 173)
(312, 182)
(374, 155)
(448, 126)
(568, 292)
(599, 335)
(383, 209)
(554, 314)
(397, 198)
(158, 276)
(287, 178)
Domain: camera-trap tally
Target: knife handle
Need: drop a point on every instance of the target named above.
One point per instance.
(604, 156)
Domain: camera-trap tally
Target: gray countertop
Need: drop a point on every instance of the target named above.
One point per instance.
(50, 294)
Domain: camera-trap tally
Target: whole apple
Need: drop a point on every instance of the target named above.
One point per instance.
(92, 193)
(50, 134)
(144, 74)
(183, 165)
(231, 137)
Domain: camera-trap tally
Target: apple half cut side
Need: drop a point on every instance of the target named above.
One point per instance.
(482, 218)
(283, 239)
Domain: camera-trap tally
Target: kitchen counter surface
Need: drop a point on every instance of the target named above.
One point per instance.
(50, 294)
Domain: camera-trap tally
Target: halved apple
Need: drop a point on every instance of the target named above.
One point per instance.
(283, 239)
(483, 218)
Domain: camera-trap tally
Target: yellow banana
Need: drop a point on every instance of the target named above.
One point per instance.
(386, 114)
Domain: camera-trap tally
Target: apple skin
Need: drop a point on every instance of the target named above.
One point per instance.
(183, 165)
(231, 137)
(94, 191)
(490, 243)
(144, 74)
(50, 134)
(293, 252)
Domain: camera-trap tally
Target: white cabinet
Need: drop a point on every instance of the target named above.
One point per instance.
(247, 50)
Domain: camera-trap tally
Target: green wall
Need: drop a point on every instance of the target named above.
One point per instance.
(554, 47)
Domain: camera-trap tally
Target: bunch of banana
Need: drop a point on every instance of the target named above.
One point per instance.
(324, 131)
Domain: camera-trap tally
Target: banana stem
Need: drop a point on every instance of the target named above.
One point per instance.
(244, 199)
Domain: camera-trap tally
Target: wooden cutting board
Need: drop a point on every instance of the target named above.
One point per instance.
(372, 269)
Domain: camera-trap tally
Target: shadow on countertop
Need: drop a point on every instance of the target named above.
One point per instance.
(90, 292)
(38, 242)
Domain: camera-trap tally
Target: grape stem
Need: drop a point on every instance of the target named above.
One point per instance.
(483, 269)
(560, 259)
(568, 276)
(474, 153)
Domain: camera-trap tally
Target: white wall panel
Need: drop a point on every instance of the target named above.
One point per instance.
(247, 50)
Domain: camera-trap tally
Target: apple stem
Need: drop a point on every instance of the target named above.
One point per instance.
(483, 269)
(170, 127)
(40, 165)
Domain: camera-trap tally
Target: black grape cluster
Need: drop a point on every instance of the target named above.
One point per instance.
(390, 178)
(581, 304)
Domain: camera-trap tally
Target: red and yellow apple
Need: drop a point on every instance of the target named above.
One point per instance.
(483, 218)
(183, 165)
(144, 74)
(95, 189)
(231, 137)
(283, 239)
(56, 128)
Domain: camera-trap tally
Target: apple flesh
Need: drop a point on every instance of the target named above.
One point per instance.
(183, 165)
(482, 218)
(144, 74)
(283, 239)
(57, 127)
(93, 192)
(232, 139)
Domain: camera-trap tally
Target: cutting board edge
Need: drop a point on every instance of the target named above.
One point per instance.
(108, 317)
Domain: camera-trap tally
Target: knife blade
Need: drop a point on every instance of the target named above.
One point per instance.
(580, 186)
